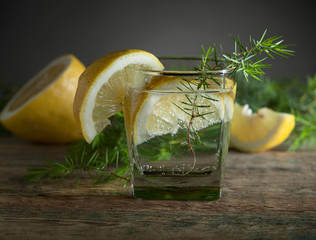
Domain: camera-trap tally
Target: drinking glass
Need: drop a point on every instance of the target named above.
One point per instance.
(178, 130)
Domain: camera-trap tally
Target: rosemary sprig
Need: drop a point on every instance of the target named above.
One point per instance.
(108, 148)
(245, 59)
(193, 108)
(305, 111)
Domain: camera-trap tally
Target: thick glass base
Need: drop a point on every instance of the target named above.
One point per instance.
(177, 193)
(188, 186)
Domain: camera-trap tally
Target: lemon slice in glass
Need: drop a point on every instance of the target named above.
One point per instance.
(162, 108)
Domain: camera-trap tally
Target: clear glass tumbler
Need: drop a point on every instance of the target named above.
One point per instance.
(178, 131)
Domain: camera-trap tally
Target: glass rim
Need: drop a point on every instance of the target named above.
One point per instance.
(167, 72)
(173, 91)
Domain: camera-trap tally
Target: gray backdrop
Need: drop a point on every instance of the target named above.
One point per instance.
(35, 32)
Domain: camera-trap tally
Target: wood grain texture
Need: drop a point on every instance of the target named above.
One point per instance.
(269, 195)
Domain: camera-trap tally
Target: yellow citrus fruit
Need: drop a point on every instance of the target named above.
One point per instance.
(41, 111)
(163, 108)
(103, 87)
(256, 132)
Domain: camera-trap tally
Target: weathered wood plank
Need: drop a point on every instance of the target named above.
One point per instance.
(269, 195)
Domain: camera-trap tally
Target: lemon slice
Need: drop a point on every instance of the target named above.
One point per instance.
(160, 108)
(42, 110)
(103, 87)
(255, 132)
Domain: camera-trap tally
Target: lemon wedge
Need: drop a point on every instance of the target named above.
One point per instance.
(256, 132)
(42, 110)
(160, 107)
(103, 87)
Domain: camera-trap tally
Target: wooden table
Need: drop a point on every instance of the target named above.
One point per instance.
(269, 195)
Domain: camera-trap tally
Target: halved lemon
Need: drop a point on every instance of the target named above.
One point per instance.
(42, 110)
(103, 88)
(256, 132)
(164, 107)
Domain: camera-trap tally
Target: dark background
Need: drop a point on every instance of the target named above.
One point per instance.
(35, 32)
